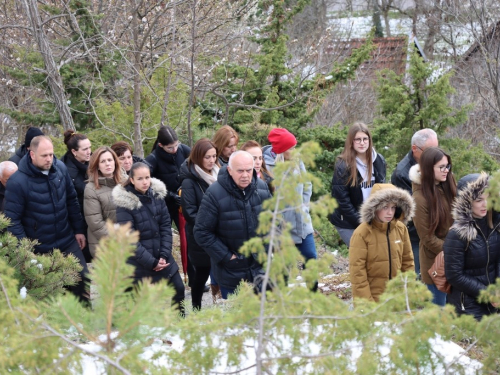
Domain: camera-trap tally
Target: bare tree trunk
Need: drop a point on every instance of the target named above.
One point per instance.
(138, 149)
(193, 52)
(54, 79)
(166, 97)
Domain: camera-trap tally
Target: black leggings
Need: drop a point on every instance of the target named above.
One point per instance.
(198, 285)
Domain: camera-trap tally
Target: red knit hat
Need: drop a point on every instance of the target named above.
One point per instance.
(281, 140)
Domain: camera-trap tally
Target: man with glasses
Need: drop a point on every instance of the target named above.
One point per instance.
(420, 141)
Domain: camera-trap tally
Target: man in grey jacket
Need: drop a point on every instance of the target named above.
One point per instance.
(420, 141)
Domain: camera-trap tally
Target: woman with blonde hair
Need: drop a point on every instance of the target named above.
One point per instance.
(434, 189)
(104, 174)
(226, 142)
(357, 169)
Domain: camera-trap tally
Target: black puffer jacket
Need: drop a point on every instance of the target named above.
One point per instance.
(193, 189)
(18, 155)
(43, 207)
(349, 199)
(471, 256)
(167, 167)
(2, 196)
(78, 173)
(148, 215)
(226, 219)
(401, 179)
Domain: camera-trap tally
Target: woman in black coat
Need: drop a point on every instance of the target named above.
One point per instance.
(357, 169)
(166, 159)
(197, 174)
(472, 248)
(141, 203)
(76, 160)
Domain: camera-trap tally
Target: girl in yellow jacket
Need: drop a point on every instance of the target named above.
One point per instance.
(380, 246)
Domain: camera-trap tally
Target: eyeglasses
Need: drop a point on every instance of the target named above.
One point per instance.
(172, 148)
(361, 140)
(443, 168)
(420, 148)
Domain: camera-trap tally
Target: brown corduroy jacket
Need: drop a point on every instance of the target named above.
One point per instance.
(431, 244)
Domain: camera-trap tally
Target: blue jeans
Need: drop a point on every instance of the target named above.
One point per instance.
(307, 248)
(439, 298)
(345, 235)
(225, 292)
(416, 257)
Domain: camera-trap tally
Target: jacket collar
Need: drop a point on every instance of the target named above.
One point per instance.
(128, 198)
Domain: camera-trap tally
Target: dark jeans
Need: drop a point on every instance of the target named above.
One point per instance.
(438, 297)
(226, 291)
(308, 250)
(198, 285)
(416, 258)
(81, 289)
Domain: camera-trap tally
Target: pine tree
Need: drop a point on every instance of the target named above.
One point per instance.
(410, 103)
(41, 276)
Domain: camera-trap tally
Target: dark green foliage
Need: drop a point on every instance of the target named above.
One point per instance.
(266, 91)
(42, 275)
(408, 104)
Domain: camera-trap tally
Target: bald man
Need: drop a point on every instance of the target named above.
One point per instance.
(7, 169)
(227, 217)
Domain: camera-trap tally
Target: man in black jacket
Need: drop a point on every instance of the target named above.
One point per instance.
(25, 148)
(41, 202)
(421, 140)
(228, 216)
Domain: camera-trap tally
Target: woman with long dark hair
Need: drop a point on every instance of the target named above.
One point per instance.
(166, 159)
(197, 174)
(226, 142)
(472, 248)
(141, 202)
(434, 189)
(104, 174)
(357, 169)
(76, 160)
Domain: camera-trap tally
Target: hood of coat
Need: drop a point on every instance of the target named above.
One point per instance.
(415, 175)
(462, 207)
(383, 194)
(127, 199)
(269, 156)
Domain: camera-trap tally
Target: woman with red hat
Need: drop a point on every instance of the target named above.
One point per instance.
(282, 144)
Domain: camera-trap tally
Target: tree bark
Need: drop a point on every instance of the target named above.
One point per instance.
(54, 78)
(138, 149)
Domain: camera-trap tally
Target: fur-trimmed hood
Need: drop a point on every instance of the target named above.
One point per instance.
(462, 207)
(415, 175)
(124, 197)
(383, 194)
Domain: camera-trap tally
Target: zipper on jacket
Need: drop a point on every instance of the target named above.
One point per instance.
(462, 298)
(389, 247)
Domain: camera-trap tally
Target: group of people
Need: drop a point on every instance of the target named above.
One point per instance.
(405, 224)
(217, 189)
